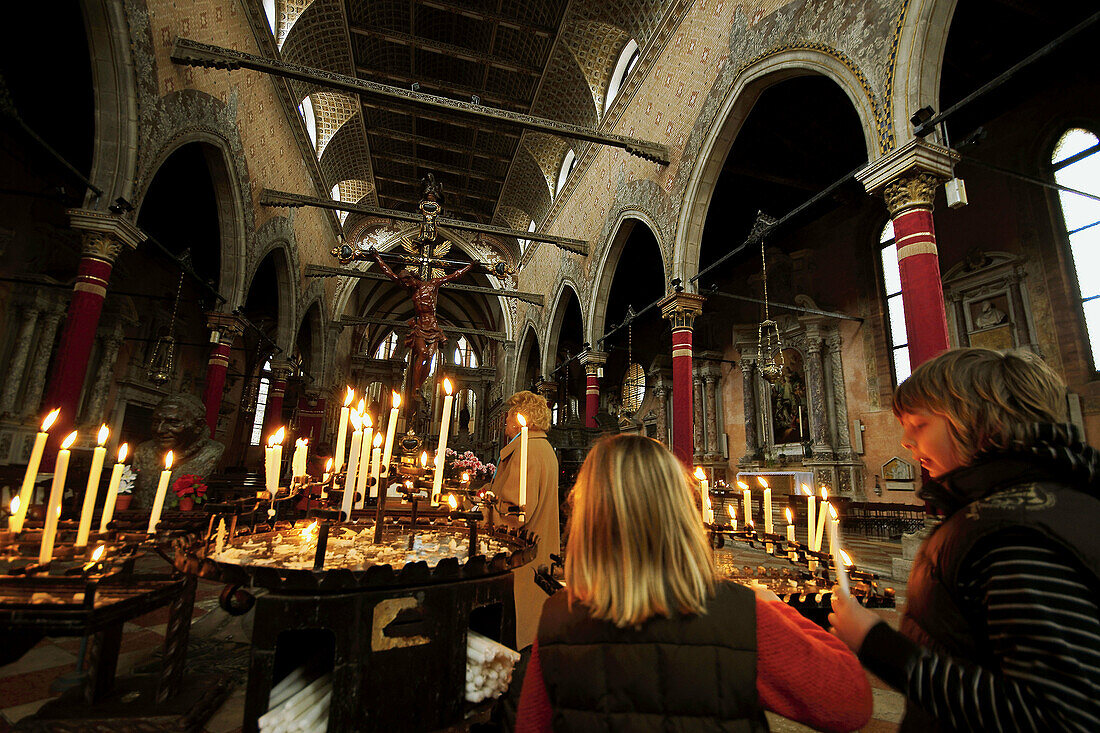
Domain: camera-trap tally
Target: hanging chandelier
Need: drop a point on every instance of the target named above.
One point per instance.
(163, 359)
(768, 340)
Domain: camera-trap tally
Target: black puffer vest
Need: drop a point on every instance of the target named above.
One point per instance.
(692, 673)
(1047, 484)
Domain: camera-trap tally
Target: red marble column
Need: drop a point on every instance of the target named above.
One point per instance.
(593, 364)
(224, 330)
(105, 236)
(909, 199)
(273, 413)
(681, 309)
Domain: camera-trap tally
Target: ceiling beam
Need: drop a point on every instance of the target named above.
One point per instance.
(283, 199)
(188, 52)
(447, 49)
(404, 326)
(436, 143)
(322, 271)
(542, 31)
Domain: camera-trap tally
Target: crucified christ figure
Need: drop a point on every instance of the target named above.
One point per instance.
(425, 336)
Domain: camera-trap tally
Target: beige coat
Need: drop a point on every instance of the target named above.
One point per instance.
(541, 520)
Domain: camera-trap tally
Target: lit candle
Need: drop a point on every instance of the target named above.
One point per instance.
(328, 472)
(90, 491)
(53, 507)
(820, 533)
(790, 533)
(342, 428)
(97, 555)
(704, 495)
(375, 463)
(811, 514)
(441, 448)
(219, 538)
(746, 502)
(273, 459)
(27, 490)
(522, 459)
(841, 562)
(391, 430)
(834, 529)
(298, 460)
(452, 502)
(769, 527)
(733, 516)
(162, 489)
(353, 465)
(13, 510)
(363, 472)
(112, 488)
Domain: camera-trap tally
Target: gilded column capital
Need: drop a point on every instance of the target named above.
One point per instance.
(105, 235)
(592, 358)
(909, 190)
(280, 370)
(227, 325)
(681, 309)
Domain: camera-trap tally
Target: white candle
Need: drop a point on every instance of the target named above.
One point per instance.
(834, 550)
(441, 448)
(219, 538)
(746, 502)
(842, 563)
(342, 428)
(273, 459)
(375, 463)
(733, 516)
(363, 472)
(298, 460)
(790, 533)
(13, 510)
(811, 514)
(522, 459)
(353, 466)
(834, 524)
(769, 526)
(112, 488)
(391, 430)
(162, 489)
(27, 490)
(704, 495)
(328, 472)
(820, 532)
(92, 489)
(53, 507)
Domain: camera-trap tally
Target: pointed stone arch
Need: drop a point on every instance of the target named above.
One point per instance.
(276, 237)
(919, 63)
(611, 252)
(555, 320)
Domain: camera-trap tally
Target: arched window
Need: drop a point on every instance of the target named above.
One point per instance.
(628, 59)
(336, 197)
(305, 109)
(269, 11)
(261, 403)
(524, 242)
(567, 167)
(464, 354)
(387, 346)
(1076, 164)
(554, 414)
(633, 387)
(891, 285)
(467, 400)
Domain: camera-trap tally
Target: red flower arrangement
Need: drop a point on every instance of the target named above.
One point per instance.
(190, 486)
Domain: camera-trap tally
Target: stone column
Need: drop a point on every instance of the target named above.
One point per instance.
(48, 321)
(816, 378)
(17, 364)
(273, 412)
(697, 416)
(661, 392)
(748, 390)
(908, 179)
(681, 310)
(224, 329)
(105, 237)
(710, 383)
(593, 365)
(112, 342)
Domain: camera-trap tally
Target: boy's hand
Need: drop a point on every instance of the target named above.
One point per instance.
(850, 621)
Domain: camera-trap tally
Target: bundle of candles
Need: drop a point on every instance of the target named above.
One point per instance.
(298, 703)
(489, 666)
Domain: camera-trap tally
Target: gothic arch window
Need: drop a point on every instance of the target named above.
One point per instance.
(628, 59)
(386, 346)
(891, 285)
(524, 242)
(1076, 164)
(567, 166)
(305, 109)
(464, 354)
(261, 403)
(633, 391)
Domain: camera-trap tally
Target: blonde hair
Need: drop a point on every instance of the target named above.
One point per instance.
(533, 407)
(985, 395)
(636, 547)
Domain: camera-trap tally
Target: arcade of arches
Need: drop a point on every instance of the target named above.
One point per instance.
(625, 286)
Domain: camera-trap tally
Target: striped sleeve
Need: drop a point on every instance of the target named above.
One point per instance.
(1043, 627)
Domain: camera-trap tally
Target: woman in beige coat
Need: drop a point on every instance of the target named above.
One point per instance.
(541, 511)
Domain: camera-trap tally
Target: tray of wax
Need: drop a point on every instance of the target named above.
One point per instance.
(285, 557)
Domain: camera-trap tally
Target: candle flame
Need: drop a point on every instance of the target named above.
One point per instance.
(762, 481)
(396, 400)
(168, 461)
(104, 433)
(123, 451)
(13, 507)
(743, 485)
(424, 458)
(50, 419)
(521, 420)
(349, 396)
(806, 490)
(824, 493)
(277, 438)
(58, 510)
(68, 442)
(378, 439)
(790, 517)
(98, 554)
(700, 474)
(367, 422)
(833, 514)
(731, 511)
(356, 420)
(846, 559)
(452, 501)
(465, 477)
(362, 407)
(752, 524)
(328, 466)
(447, 386)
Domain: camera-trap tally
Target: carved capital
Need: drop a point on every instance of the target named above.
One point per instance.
(593, 359)
(227, 325)
(681, 309)
(280, 370)
(914, 188)
(101, 246)
(105, 233)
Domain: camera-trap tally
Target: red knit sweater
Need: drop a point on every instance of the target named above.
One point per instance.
(802, 673)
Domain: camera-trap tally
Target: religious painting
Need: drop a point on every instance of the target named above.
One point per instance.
(990, 323)
(790, 423)
(898, 474)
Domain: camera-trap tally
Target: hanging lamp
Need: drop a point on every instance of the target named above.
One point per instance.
(163, 360)
(767, 335)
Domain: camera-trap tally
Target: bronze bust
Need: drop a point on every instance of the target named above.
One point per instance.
(179, 425)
